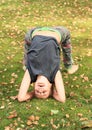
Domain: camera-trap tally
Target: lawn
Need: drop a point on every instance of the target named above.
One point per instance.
(16, 17)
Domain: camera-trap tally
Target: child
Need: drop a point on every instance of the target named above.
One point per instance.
(42, 61)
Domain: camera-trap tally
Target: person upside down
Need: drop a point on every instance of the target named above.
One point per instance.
(42, 63)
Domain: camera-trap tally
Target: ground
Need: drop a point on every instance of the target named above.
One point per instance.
(16, 18)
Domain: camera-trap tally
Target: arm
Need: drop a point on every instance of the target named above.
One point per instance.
(59, 93)
(23, 95)
(67, 57)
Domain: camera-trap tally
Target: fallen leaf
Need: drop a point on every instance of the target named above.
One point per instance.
(54, 126)
(14, 97)
(68, 124)
(80, 114)
(86, 78)
(51, 121)
(7, 128)
(67, 115)
(38, 109)
(31, 118)
(4, 83)
(35, 123)
(2, 107)
(84, 119)
(72, 94)
(12, 80)
(87, 124)
(12, 115)
(29, 122)
(37, 118)
(42, 125)
(54, 112)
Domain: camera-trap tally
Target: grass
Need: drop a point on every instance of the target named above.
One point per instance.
(16, 18)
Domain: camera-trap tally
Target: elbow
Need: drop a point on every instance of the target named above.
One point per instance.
(63, 100)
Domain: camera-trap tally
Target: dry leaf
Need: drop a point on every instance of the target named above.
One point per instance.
(4, 83)
(51, 121)
(42, 125)
(38, 109)
(80, 114)
(67, 115)
(72, 94)
(54, 112)
(14, 97)
(2, 107)
(12, 115)
(54, 126)
(35, 123)
(37, 118)
(7, 128)
(29, 122)
(31, 118)
(87, 124)
(86, 78)
(84, 119)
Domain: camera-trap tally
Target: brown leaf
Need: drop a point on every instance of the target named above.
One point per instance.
(12, 80)
(80, 114)
(14, 97)
(37, 118)
(54, 126)
(12, 115)
(32, 118)
(7, 128)
(87, 124)
(83, 119)
(29, 122)
(4, 83)
(86, 78)
(72, 94)
(35, 123)
(14, 75)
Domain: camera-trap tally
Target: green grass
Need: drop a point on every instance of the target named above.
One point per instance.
(16, 17)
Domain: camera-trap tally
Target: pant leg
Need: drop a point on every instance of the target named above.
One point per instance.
(27, 43)
(67, 52)
(25, 56)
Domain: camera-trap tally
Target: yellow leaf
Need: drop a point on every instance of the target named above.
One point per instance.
(67, 115)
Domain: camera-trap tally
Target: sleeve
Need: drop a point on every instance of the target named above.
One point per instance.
(67, 53)
(66, 46)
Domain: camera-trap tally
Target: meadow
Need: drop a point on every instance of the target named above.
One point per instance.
(16, 18)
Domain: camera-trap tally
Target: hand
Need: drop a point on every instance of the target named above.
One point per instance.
(73, 69)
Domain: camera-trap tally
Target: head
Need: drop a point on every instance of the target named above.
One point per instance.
(42, 87)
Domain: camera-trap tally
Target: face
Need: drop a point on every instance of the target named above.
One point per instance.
(42, 87)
